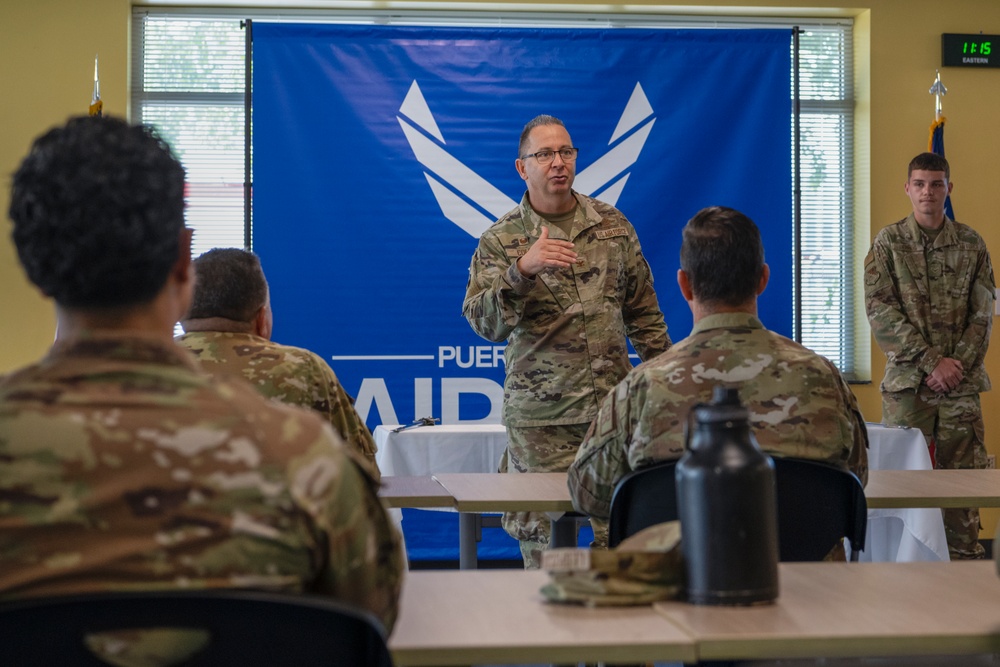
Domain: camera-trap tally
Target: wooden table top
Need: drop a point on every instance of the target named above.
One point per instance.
(403, 491)
(547, 491)
(492, 492)
(855, 609)
(933, 488)
(463, 617)
(454, 617)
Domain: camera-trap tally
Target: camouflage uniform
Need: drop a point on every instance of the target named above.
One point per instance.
(123, 467)
(291, 375)
(928, 299)
(799, 406)
(565, 329)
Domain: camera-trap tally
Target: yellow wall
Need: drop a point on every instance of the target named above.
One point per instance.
(47, 50)
(49, 45)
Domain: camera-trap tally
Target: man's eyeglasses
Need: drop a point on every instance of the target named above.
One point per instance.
(544, 157)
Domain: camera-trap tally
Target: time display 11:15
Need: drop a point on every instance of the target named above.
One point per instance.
(981, 48)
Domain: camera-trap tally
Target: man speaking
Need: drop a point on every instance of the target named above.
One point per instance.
(563, 280)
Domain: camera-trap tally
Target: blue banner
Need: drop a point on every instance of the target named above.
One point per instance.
(380, 154)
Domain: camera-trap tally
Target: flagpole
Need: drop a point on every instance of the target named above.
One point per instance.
(937, 127)
(935, 139)
(96, 105)
(938, 91)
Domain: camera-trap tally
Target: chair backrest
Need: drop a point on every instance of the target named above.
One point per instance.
(817, 505)
(245, 628)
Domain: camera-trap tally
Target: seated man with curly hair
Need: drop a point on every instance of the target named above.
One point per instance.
(122, 465)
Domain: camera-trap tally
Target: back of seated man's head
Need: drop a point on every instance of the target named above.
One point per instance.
(230, 290)
(98, 212)
(723, 257)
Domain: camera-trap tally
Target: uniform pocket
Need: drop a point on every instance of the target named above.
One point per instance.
(960, 281)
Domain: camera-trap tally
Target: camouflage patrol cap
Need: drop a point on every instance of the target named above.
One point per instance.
(644, 568)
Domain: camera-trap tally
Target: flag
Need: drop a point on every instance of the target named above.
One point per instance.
(935, 144)
(96, 105)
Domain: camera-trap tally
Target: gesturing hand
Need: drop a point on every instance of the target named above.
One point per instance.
(544, 253)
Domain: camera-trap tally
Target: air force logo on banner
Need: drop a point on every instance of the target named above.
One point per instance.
(473, 203)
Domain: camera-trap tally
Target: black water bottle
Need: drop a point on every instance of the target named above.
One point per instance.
(727, 505)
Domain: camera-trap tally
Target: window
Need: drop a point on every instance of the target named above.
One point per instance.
(827, 203)
(189, 81)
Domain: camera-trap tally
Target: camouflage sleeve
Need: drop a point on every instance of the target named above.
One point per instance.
(496, 291)
(602, 458)
(361, 559)
(643, 318)
(857, 456)
(339, 411)
(971, 347)
(898, 338)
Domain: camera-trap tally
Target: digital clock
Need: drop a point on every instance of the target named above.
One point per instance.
(970, 50)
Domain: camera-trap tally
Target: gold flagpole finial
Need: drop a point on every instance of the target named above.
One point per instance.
(96, 105)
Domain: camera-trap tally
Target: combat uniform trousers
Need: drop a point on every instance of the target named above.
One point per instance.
(542, 449)
(955, 425)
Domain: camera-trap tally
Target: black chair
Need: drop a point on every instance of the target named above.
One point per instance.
(245, 628)
(817, 505)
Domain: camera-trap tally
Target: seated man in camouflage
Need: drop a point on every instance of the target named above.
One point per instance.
(229, 329)
(799, 403)
(122, 465)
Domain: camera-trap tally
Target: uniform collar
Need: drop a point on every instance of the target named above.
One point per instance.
(727, 321)
(124, 347)
(947, 235)
(586, 217)
(228, 335)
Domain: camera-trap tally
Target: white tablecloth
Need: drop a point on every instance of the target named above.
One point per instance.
(893, 534)
(428, 450)
(908, 534)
